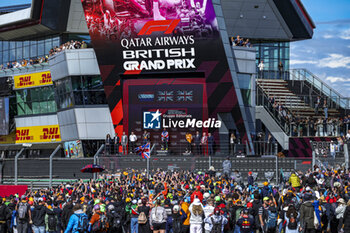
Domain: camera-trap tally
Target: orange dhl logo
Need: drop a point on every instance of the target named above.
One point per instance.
(50, 133)
(23, 135)
(45, 78)
(25, 81)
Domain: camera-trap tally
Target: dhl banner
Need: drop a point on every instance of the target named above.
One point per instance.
(32, 80)
(32, 134)
(8, 139)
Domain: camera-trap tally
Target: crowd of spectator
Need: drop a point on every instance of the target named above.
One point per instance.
(185, 202)
(24, 62)
(238, 41)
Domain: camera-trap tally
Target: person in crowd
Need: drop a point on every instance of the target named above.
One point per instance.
(124, 142)
(132, 142)
(165, 139)
(261, 67)
(216, 221)
(38, 217)
(145, 137)
(325, 109)
(143, 221)
(280, 69)
(211, 142)
(188, 143)
(233, 142)
(246, 222)
(78, 222)
(317, 104)
(5, 215)
(204, 144)
(196, 219)
(158, 218)
(23, 215)
(108, 144)
(116, 143)
(197, 143)
(226, 166)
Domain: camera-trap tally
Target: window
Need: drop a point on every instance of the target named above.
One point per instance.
(80, 91)
(36, 101)
(245, 81)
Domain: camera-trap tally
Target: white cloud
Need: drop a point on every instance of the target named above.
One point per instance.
(328, 36)
(336, 79)
(345, 34)
(335, 60)
(297, 62)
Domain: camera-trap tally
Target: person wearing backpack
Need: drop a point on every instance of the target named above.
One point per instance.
(78, 222)
(23, 215)
(38, 217)
(51, 221)
(179, 216)
(158, 218)
(245, 222)
(292, 220)
(98, 221)
(208, 211)
(271, 220)
(143, 211)
(58, 213)
(216, 221)
(5, 215)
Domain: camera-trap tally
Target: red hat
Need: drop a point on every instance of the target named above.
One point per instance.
(198, 187)
(187, 186)
(249, 173)
(249, 205)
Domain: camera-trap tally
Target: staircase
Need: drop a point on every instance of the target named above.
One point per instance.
(299, 104)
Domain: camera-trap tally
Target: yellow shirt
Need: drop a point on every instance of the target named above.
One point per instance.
(189, 137)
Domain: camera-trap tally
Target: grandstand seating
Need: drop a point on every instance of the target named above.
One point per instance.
(287, 94)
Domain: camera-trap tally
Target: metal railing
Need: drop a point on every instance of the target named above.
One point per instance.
(316, 83)
(182, 148)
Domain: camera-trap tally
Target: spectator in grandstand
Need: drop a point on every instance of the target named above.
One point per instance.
(132, 142)
(280, 69)
(233, 142)
(124, 142)
(317, 104)
(325, 109)
(261, 67)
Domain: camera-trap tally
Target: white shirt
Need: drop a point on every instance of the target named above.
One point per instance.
(133, 138)
(207, 211)
(261, 66)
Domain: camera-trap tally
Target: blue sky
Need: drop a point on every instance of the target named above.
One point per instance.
(327, 55)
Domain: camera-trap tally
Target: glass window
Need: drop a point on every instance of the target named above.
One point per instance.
(19, 54)
(26, 52)
(5, 45)
(41, 50)
(26, 43)
(12, 44)
(36, 107)
(5, 56)
(33, 50)
(12, 55)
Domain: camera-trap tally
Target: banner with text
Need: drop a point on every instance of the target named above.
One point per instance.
(33, 134)
(33, 80)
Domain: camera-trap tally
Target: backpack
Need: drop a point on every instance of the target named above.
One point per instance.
(292, 224)
(177, 225)
(217, 225)
(83, 223)
(52, 221)
(157, 215)
(271, 220)
(117, 220)
(100, 224)
(22, 211)
(142, 219)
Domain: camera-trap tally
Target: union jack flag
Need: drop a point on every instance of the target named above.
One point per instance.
(165, 96)
(184, 95)
(144, 151)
